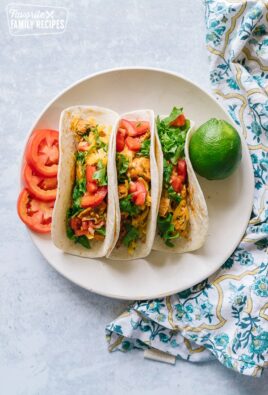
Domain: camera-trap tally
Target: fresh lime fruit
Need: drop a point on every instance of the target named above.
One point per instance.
(215, 149)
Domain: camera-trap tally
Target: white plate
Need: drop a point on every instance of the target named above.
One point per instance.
(229, 201)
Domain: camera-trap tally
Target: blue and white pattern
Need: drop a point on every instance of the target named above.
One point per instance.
(225, 317)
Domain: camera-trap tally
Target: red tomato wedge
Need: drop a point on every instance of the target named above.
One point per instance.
(177, 183)
(40, 187)
(133, 143)
(120, 140)
(37, 215)
(42, 152)
(179, 121)
(141, 127)
(90, 170)
(139, 192)
(182, 169)
(93, 200)
(91, 182)
(127, 125)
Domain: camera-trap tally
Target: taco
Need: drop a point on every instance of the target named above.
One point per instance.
(136, 185)
(84, 212)
(182, 221)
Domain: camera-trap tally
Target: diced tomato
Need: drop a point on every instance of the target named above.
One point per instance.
(177, 183)
(179, 121)
(93, 200)
(132, 187)
(120, 140)
(141, 127)
(182, 169)
(127, 125)
(133, 143)
(37, 215)
(42, 152)
(139, 194)
(83, 146)
(122, 131)
(92, 187)
(41, 187)
(90, 170)
(75, 223)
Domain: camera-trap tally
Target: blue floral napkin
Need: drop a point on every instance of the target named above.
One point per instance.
(226, 316)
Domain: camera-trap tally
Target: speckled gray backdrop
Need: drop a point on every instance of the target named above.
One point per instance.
(52, 332)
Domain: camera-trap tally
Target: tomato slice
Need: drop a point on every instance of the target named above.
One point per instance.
(179, 121)
(139, 192)
(120, 140)
(42, 188)
(42, 152)
(93, 200)
(141, 127)
(133, 143)
(127, 125)
(177, 183)
(37, 215)
(182, 169)
(90, 170)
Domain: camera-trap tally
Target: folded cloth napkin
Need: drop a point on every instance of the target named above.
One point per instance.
(226, 316)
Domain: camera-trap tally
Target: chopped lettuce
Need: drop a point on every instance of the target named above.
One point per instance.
(172, 138)
(78, 191)
(145, 148)
(101, 174)
(122, 167)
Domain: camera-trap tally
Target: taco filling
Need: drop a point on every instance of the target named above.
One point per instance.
(86, 218)
(173, 217)
(134, 181)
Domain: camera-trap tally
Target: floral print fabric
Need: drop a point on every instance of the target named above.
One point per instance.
(226, 316)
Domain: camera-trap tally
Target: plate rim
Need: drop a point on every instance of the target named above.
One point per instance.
(195, 85)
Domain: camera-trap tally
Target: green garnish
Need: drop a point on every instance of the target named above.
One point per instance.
(173, 195)
(167, 230)
(122, 167)
(172, 138)
(78, 191)
(132, 235)
(101, 174)
(81, 157)
(167, 171)
(101, 231)
(145, 148)
(99, 143)
(127, 206)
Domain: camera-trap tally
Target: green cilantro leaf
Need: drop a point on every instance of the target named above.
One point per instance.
(173, 195)
(78, 191)
(131, 235)
(101, 231)
(127, 206)
(167, 230)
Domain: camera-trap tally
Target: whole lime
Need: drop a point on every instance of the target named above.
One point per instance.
(215, 149)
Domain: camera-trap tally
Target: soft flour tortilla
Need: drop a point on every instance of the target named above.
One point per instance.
(142, 249)
(197, 207)
(66, 177)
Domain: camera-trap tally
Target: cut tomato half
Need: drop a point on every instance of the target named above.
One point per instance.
(179, 121)
(141, 127)
(128, 126)
(177, 183)
(182, 169)
(42, 152)
(94, 199)
(138, 192)
(133, 143)
(41, 187)
(37, 215)
(120, 140)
